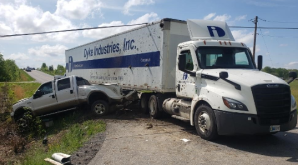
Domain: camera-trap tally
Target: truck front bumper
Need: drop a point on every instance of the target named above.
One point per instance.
(235, 123)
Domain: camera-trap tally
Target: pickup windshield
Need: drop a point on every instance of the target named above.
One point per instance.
(224, 57)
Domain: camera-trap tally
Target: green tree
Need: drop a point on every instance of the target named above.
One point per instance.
(51, 68)
(44, 66)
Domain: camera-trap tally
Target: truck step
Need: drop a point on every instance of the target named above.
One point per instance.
(180, 118)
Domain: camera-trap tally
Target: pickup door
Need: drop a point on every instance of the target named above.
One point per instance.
(65, 92)
(47, 102)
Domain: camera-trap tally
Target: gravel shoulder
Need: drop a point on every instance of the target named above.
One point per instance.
(134, 138)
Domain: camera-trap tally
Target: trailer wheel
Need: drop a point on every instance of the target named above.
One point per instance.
(144, 102)
(100, 107)
(205, 123)
(153, 107)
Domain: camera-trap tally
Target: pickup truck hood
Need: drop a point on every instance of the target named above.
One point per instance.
(21, 101)
(246, 77)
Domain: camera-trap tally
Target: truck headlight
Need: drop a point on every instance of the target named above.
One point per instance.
(293, 103)
(234, 104)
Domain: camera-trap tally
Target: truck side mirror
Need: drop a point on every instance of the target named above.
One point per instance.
(37, 94)
(182, 62)
(260, 62)
(293, 76)
(223, 75)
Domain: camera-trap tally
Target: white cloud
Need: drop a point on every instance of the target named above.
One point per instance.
(243, 36)
(18, 56)
(224, 18)
(22, 18)
(77, 9)
(101, 33)
(283, 45)
(131, 3)
(292, 65)
(258, 49)
(48, 51)
(149, 17)
(209, 16)
(239, 18)
(4, 30)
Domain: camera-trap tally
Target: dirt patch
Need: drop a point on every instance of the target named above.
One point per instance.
(86, 153)
(19, 92)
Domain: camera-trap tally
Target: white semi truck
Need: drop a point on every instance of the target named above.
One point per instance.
(192, 70)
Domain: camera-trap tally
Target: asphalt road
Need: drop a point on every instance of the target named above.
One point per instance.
(129, 140)
(40, 76)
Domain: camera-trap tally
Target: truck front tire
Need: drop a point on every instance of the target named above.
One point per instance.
(100, 107)
(205, 123)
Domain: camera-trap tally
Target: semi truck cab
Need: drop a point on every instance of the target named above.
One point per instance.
(227, 92)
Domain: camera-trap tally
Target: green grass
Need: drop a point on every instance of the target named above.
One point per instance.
(73, 136)
(24, 76)
(19, 91)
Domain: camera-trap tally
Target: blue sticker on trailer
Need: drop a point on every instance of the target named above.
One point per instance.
(150, 59)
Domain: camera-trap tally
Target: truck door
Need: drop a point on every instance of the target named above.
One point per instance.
(185, 83)
(47, 102)
(65, 93)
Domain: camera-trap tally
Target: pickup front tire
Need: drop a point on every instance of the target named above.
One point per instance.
(100, 107)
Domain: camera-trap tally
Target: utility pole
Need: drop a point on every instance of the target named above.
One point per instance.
(255, 37)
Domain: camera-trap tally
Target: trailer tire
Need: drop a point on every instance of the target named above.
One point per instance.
(144, 102)
(205, 123)
(153, 107)
(100, 108)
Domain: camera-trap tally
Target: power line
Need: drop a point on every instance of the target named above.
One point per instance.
(68, 30)
(246, 27)
(104, 27)
(276, 21)
(279, 36)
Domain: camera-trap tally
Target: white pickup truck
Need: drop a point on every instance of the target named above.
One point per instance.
(68, 93)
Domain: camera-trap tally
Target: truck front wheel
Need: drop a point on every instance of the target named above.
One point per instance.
(100, 107)
(205, 123)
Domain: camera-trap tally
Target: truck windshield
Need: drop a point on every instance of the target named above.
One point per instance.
(224, 57)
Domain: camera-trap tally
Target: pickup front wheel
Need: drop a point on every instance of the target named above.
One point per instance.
(100, 107)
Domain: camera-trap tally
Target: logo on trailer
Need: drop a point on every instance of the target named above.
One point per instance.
(220, 32)
(184, 76)
(70, 64)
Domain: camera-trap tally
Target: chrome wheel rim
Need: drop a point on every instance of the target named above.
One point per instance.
(99, 109)
(204, 122)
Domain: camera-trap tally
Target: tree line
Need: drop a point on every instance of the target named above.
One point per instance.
(279, 72)
(9, 71)
(60, 70)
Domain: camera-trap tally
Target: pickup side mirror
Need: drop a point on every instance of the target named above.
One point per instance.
(260, 62)
(293, 76)
(37, 94)
(182, 65)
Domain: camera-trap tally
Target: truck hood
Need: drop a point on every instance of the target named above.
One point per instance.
(246, 77)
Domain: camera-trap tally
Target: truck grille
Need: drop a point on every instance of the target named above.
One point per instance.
(273, 103)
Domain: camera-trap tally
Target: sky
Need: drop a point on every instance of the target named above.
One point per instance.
(279, 47)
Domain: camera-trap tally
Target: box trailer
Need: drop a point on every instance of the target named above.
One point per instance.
(143, 58)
